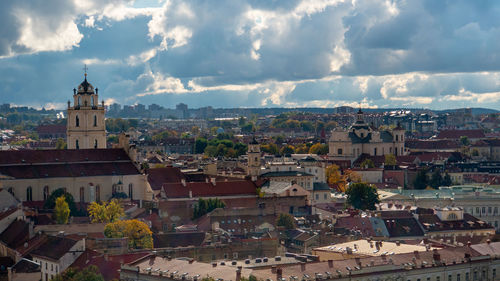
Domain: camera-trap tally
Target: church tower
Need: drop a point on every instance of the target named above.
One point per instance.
(253, 159)
(86, 127)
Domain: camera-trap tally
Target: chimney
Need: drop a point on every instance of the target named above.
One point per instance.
(183, 182)
(435, 255)
(279, 273)
(214, 264)
(238, 274)
(330, 263)
(398, 243)
(302, 266)
(488, 241)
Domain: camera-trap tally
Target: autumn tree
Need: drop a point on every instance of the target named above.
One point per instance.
(287, 149)
(286, 220)
(362, 196)
(367, 164)
(61, 210)
(105, 212)
(339, 180)
(138, 233)
(50, 203)
(319, 148)
(61, 144)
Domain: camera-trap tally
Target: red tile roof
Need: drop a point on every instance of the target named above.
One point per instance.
(456, 134)
(433, 144)
(54, 248)
(204, 189)
(62, 156)
(158, 176)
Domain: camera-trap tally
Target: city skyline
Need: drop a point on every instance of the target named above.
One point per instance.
(374, 54)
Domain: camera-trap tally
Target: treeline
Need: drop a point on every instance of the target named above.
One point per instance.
(117, 125)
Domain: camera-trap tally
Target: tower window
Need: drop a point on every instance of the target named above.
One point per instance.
(79, 101)
(339, 151)
(131, 191)
(95, 143)
(77, 145)
(92, 100)
(29, 193)
(95, 120)
(77, 121)
(45, 192)
(397, 139)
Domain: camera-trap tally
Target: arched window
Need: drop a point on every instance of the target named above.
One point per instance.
(29, 193)
(77, 121)
(45, 192)
(82, 195)
(95, 120)
(97, 193)
(79, 101)
(95, 143)
(131, 191)
(77, 145)
(92, 100)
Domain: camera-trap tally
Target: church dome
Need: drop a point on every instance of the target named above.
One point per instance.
(85, 87)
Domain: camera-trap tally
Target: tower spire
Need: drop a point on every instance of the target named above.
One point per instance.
(85, 68)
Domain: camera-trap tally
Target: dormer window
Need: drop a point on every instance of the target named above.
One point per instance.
(362, 135)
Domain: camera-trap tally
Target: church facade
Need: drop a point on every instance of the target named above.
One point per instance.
(361, 138)
(86, 127)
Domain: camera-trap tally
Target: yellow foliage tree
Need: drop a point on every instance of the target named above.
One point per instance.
(61, 210)
(341, 181)
(138, 233)
(105, 212)
(390, 160)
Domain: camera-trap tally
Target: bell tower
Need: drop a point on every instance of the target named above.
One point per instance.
(253, 159)
(86, 128)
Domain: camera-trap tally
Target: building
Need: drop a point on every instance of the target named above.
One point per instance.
(362, 138)
(88, 174)
(86, 127)
(253, 159)
(57, 254)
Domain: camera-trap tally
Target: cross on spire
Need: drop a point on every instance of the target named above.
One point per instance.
(85, 68)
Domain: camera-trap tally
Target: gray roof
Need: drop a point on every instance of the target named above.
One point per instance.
(317, 186)
(285, 174)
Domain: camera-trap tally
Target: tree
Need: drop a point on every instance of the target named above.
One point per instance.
(319, 148)
(464, 140)
(287, 149)
(286, 220)
(270, 148)
(90, 273)
(421, 181)
(333, 175)
(105, 212)
(113, 139)
(205, 206)
(138, 233)
(199, 145)
(301, 149)
(61, 210)
(50, 203)
(61, 144)
(436, 179)
(362, 196)
(390, 160)
(367, 164)
(446, 180)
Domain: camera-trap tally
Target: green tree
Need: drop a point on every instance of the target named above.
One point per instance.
(464, 140)
(205, 206)
(367, 164)
(421, 180)
(446, 180)
(61, 210)
(199, 145)
(270, 148)
(248, 128)
(362, 196)
(90, 273)
(50, 203)
(138, 233)
(307, 126)
(436, 179)
(113, 139)
(286, 220)
(61, 144)
(390, 160)
(105, 212)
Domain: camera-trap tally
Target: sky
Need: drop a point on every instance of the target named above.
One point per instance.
(253, 53)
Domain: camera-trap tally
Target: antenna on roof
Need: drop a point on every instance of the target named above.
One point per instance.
(85, 68)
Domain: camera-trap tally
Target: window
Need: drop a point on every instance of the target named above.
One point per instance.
(339, 151)
(458, 277)
(45, 192)
(494, 273)
(324, 196)
(375, 151)
(82, 194)
(29, 193)
(77, 145)
(95, 120)
(438, 278)
(477, 210)
(490, 210)
(317, 196)
(449, 277)
(362, 135)
(397, 139)
(484, 210)
(92, 100)
(97, 193)
(95, 143)
(467, 276)
(79, 101)
(11, 191)
(131, 191)
(495, 210)
(77, 121)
